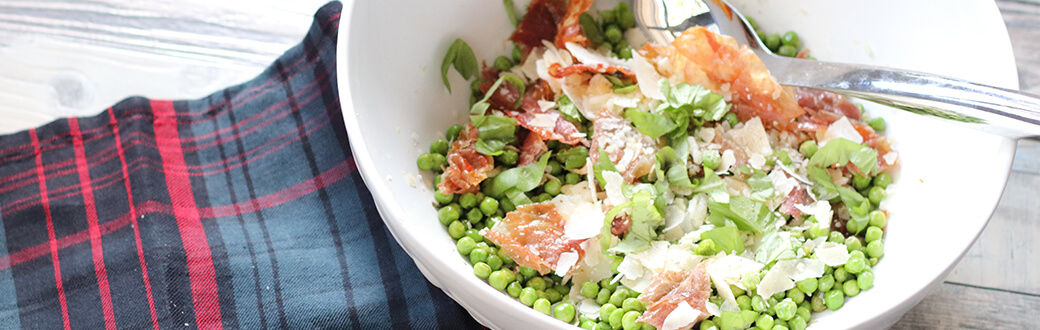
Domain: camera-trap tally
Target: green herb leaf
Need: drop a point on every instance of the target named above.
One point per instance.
(761, 186)
(726, 239)
(523, 179)
(823, 187)
(495, 132)
(713, 185)
(694, 100)
(747, 214)
(481, 107)
(511, 12)
(568, 109)
(676, 175)
(603, 164)
(650, 124)
(591, 28)
(737, 320)
(644, 217)
(574, 157)
(859, 207)
(461, 56)
(605, 236)
(773, 246)
(841, 151)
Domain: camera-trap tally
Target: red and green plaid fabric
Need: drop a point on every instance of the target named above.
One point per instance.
(243, 209)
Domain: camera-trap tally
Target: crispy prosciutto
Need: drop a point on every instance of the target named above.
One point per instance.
(670, 288)
(824, 108)
(558, 71)
(466, 167)
(630, 151)
(721, 65)
(533, 236)
(530, 114)
(797, 196)
(555, 20)
(534, 146)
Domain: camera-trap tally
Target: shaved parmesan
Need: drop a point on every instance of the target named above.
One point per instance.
(774, 281)
(589, 57)
(566, 262)
(544, 120)
(646, 77)
(821, 210)
(781, 183)
(841, 128)
(731, 267)
(890, 158)
(728, 159)
(753, 140)
(832, 254)
(613, 187)
(588, 307)
(713, 309)
(697, 210)
(682, 317)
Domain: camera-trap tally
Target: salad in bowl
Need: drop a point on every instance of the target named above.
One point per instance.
(618, 184)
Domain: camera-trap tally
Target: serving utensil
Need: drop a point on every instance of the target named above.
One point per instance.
(996, 110)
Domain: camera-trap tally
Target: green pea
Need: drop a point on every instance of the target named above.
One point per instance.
(440, 146)
(883, 180)
(453, 132)
(553, 296)
(819, 230)
(853, 243)
(878, 124)
(508, 157)
(621, 11)
(808, 148)
(564, 312)
(840, 275)
(437, 182)
(443, 199)
(482, 270)
(518, 54)
(474, 215)
(542, 305)
(758, 304)
(860, 182)
(468, 200)
(779, 296)
(552, 187)
(478, 255)
(876, 195)
(856, 264)
(628, 321)
(474, 235)
(503, 63)
(796, 295)
(562, 289)
(808, 285)
(865, 280)
(850, 288)
(608, 16)
(537, 283)
(527, 272)
(836, 237)
(618, 297)
(542, 198)
(878, 219)
(787, 50)
(711, 159)
(873, 261)
(456, 230)
(785, 310)
(764, 321)
(632, 304)
(465, 245)
(505, 205)
(603, 325)
(500, 279)
(589, 289)
(613, 33)
(572, 178)
(494, 261)
(873, 234)
(489, 205)
(852, 227)
(606, 284)
(876, 249)
(588, 325)
(826, 282)
(736, 291)
(744, 302)
(772, 41)
(732, 119)
(804, 312)
(428, 161)
(818, 304)
(614, 264)
(603, 296)
(528, 295)
(834, 299)
(707, 324)
(780, 326)
(615, 318)
(448, 214)
(791, 39)
(706, 248)
(750, 280)
(797, 323)
(625, 53)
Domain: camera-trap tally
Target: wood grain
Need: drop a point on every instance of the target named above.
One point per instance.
(954, 306)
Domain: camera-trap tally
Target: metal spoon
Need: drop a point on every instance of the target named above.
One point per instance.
(1000, 111)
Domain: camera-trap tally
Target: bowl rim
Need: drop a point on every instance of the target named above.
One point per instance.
(427, 261)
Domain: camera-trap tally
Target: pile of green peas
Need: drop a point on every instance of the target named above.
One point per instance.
(787, 44)
(608, 30)
(619, 307)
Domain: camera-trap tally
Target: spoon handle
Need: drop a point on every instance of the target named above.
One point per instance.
(1000, 111)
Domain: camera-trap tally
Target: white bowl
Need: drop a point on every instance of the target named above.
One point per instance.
(395, 104)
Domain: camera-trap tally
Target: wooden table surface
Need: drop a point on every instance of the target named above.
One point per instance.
(997, 284)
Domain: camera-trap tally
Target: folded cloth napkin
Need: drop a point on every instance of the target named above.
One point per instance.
(243, 209)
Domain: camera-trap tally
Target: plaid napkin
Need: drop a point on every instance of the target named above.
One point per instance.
(243, 209)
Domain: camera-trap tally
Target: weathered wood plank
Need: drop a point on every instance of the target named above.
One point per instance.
(955, 306)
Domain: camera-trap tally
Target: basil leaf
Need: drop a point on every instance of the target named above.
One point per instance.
(858, 206)
(490, 147)
(523, 179)
(461, 56)
(574, 157)
(495, 132)
(480, 107)
(726, 239)
(650, 124)
(603, 164)
(568, 109)
(841, 151)
(591, 28)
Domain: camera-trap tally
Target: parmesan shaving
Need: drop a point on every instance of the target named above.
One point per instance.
(832, 254)
(841, 128)
(682, 317)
